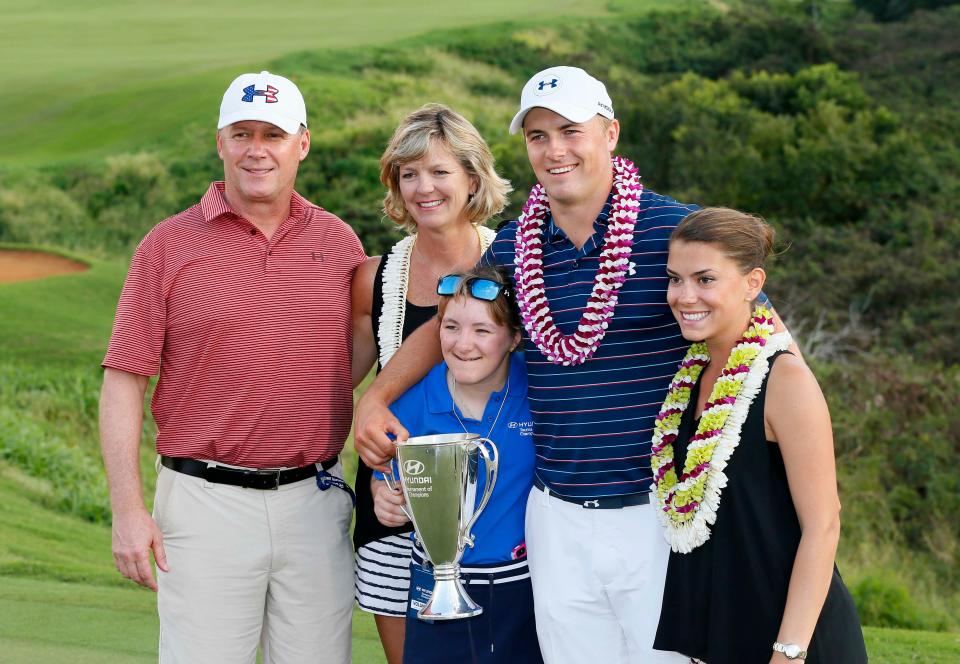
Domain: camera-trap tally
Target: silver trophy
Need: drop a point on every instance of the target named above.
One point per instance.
(439, 475)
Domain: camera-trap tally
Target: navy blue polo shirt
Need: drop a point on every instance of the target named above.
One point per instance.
(592, 423)
(427, 408)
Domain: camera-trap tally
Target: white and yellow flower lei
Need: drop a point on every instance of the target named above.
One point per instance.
(396, 277)
(688, 506)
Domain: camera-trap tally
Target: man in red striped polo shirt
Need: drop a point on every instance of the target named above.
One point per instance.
(241, 304)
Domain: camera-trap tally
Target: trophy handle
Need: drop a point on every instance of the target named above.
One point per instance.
(491, 458)
(394, 487)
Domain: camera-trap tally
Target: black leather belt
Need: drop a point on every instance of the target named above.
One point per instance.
(605, 503)
(248, 479)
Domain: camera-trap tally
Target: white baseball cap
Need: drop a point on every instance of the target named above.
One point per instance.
(265, 97)
(569, 91)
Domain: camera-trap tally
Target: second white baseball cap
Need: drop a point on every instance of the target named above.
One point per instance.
(265, 97)
(569, 91)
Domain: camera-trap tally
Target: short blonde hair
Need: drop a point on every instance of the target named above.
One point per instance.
(412, 140)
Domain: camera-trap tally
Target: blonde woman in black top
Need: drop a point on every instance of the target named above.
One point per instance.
(441, 189)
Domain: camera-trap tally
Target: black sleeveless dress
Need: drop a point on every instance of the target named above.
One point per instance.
(723, 602)
(368, 528)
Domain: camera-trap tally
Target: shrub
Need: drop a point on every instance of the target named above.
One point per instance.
(896, 10)
(896, 425)
(77, 480)
(885, 602)
(33, 211)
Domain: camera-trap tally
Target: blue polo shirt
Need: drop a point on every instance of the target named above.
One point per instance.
(592, 423)
(427, 408)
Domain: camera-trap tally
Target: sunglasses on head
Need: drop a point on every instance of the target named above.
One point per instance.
(478, 287)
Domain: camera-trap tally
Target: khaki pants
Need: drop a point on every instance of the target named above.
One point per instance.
(250, 566)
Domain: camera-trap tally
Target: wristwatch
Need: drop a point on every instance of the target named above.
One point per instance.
(790, 650)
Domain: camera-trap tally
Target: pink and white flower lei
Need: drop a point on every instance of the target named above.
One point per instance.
(688, 505)
(614, 262)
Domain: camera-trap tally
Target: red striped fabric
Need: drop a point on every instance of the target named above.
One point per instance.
(251, 338)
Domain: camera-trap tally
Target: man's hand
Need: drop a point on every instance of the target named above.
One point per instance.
(388, 504)
(135, 534)
(372, 426)
(134, 531)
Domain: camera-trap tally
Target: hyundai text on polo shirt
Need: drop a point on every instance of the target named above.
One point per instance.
(592, 423)
(427, 408)
(225, 311)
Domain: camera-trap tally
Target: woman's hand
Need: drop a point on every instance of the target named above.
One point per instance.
(388, 504)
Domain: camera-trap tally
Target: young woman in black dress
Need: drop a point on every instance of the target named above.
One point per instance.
(744, 469)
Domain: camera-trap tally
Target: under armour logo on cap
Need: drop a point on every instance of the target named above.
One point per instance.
(568, 91)
(270, 94)
(546, 86)
(263, 97)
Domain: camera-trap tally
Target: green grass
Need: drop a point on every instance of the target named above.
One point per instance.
(902, 646)
(61, 599)
(98, 77)
(40, 542)
(60, 321)
(50, 621)
(53, 333)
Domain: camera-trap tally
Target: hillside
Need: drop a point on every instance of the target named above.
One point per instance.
(96, 78)
(847, 155)
(841, 131)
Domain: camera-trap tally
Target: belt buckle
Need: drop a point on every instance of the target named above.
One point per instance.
(264, 480)
(594, 504)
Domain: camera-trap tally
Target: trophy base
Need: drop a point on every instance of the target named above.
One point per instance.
(449, 600)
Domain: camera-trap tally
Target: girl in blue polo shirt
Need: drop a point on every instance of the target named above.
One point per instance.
(480, 388)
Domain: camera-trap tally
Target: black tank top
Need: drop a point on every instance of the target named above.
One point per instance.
(367, 527)
(723, 601)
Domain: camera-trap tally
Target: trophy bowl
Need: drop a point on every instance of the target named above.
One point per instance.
(439, 476)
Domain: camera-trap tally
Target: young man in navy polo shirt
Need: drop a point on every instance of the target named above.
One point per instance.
(601, 346)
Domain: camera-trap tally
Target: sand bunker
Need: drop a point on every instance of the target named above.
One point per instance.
(27, 265)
